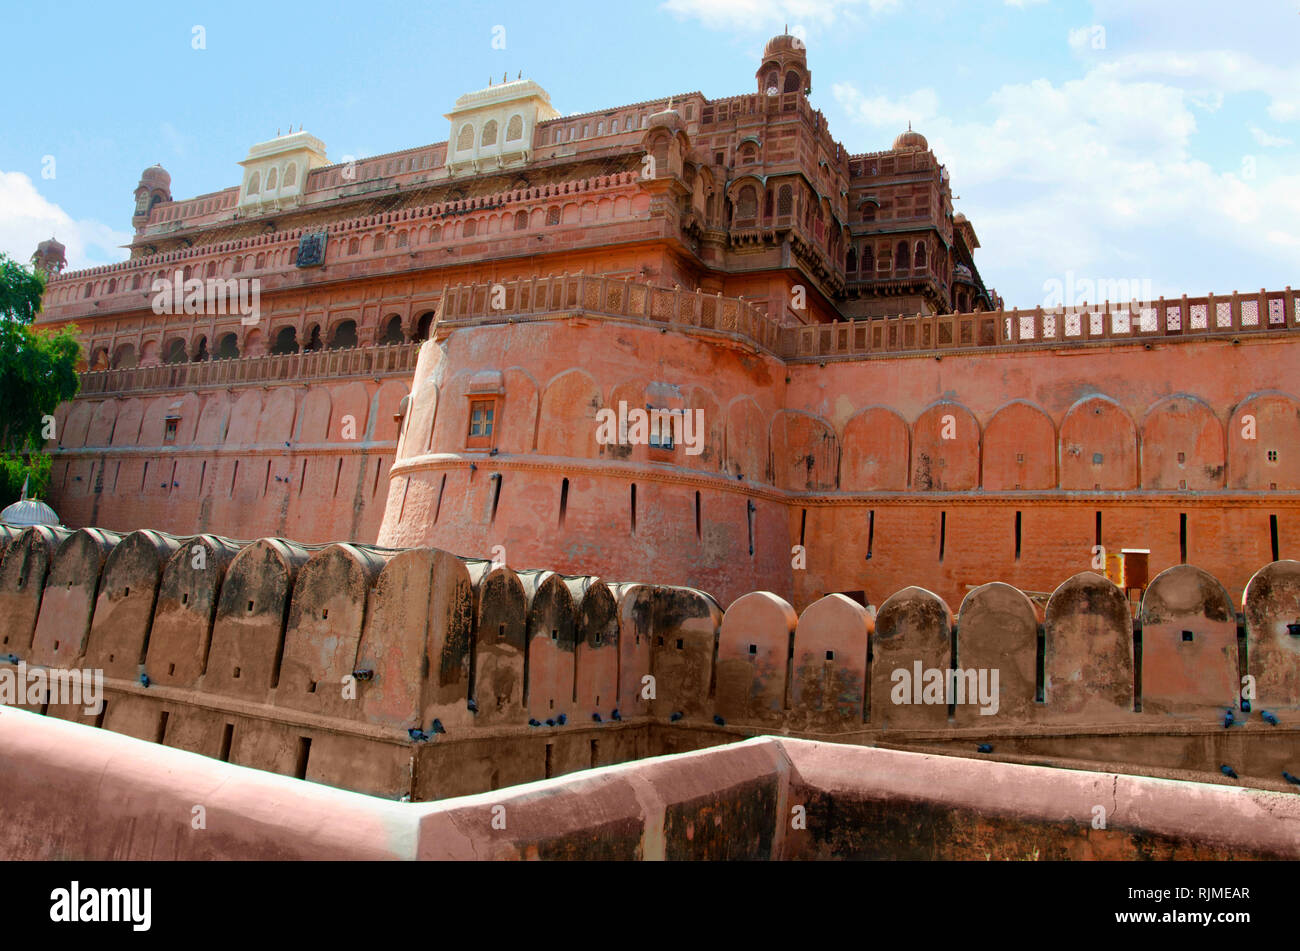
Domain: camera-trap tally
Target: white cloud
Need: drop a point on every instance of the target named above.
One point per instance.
(1024, 3)
(29, 219)
(768, 15)
(1217, 72)
(916, 107)
(1269, 141)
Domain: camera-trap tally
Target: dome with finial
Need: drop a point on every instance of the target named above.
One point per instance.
(668, 118)
(50, 257)
(155, 176)
(911, 141)
(28, 512)
(784, 43)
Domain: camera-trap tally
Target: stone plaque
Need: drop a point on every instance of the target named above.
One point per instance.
(311, 249)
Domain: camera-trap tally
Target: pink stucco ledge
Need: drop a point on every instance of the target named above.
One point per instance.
(71, 791)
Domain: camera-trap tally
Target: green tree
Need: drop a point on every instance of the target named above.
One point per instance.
(38, 371)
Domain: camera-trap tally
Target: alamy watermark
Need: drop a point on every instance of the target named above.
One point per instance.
(934, 685)
(37, 685)
(1074, 292)
(213, 296)
(77, 903)
(659, 428)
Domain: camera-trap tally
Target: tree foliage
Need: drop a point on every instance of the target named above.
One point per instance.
(38, 371)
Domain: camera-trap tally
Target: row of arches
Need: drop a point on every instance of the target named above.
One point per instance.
(311, 415)
(569, 133)
(1180, 442)
(591, 211)
(487, 137)
(343, 334)
(887, 258)
(773, 83)
(782, 204)
(278, 178)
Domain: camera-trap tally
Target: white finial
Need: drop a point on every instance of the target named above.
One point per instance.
(23, 496)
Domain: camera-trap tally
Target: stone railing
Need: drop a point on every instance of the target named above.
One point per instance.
(1161, 320)
(469, 304)
(387, 360)
(675, 307)
(716, 111)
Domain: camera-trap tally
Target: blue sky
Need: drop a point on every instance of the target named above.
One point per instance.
(1152, 141)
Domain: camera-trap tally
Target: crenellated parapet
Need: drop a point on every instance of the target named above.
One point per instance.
(418, 673)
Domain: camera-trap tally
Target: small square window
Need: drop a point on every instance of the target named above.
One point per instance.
(830, 655)
(482, 424)
(1182, 458)
(480, 418)
(1187, 636)
(170, 433)
(753, 648)
(661, 428)
(1272, 455)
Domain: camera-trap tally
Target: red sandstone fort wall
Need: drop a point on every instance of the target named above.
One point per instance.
(245, 652)
(956, 465)
(927, 465)
(306, 460)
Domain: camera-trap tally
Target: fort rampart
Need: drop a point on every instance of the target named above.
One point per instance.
(418, 674)
(856, 457)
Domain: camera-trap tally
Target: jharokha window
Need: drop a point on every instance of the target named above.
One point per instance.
(482, 424)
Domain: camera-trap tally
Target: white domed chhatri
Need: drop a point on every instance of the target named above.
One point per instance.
(28, 512)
